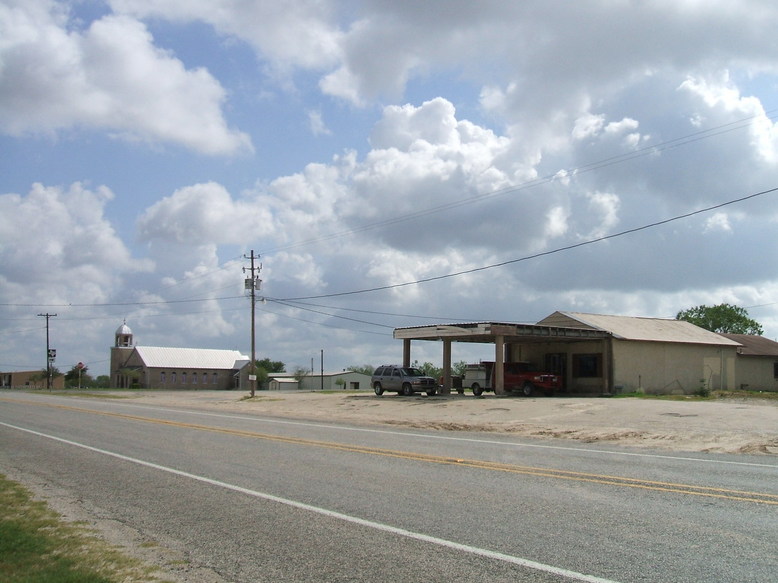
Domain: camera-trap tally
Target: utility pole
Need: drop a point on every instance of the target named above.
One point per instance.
(51, 353)
(253, 283)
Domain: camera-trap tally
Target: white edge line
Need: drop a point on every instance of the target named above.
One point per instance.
(336, 515)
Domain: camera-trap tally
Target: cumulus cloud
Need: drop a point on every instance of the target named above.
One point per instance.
(109, 76)
(297, 33)
(60, 236)
(202, 213)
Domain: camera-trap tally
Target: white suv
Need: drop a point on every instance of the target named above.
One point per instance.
(406, 380)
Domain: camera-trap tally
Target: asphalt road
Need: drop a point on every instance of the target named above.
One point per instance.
(260, 499)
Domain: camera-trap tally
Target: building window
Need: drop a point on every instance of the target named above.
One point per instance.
(775, 370)
(183, 378)
(173, 378)
(194, 378)
(587, 365)
(215, 378)
(162, 377)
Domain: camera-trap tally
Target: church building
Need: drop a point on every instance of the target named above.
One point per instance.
(154, 367)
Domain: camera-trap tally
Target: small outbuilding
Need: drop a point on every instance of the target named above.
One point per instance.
(329, 381)
(757, 368)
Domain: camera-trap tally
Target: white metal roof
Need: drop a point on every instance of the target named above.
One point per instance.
(163, 357)
(648, 329)
(123, 330)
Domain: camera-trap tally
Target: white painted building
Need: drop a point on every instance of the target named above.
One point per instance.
(329, 381)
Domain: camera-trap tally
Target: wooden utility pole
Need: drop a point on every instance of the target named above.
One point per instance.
(252, 284)
(50, 352)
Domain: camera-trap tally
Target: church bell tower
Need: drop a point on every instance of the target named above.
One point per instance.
(120, 351)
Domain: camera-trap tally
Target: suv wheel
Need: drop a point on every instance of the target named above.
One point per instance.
(379, 390)
(407, 390)
(477, 390)
(528, 389)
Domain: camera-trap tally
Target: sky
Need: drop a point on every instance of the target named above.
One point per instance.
(392, 163)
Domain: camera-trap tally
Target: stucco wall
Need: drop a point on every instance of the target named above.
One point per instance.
(657, 367)
(654, 367)
(756, 373)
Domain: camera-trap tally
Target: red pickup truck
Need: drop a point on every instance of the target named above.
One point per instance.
(517, 376)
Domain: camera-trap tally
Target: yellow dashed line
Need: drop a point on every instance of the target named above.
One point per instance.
(737, 495)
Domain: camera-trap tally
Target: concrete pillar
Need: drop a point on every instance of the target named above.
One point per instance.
(406, 352)
(446, 388)
(607, 365)
(499, 365)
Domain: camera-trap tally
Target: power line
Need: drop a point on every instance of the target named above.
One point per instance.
(589, 167)
(121, 304)
(537, 255)
(434, 278)
(647, 150)
(372, 312)
(279, 314)
(331, 315)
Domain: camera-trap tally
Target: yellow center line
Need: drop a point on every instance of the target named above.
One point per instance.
(737, 495)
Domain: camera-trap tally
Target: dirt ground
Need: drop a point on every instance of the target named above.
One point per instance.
(723, 426)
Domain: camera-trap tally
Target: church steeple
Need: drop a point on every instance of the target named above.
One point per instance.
(123, 336)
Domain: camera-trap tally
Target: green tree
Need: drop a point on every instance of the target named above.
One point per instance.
(458, 368)
(271, 365)
(299, 374)
(103, 381)
(429, 369)
(722, 318)
(72, 378)
(364, 369)
(263, 369)
(40, 377)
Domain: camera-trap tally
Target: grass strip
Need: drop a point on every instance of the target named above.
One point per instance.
(38, 546)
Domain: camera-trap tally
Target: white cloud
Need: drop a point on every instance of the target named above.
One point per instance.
(718, 222)
(604, 205)
(720, 93)
(588, 125)
(318, 127)
(295, 33)
(57, 249)
(202, 213)
(110, 77)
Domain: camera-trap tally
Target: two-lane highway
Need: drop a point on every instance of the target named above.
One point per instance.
(269, 499)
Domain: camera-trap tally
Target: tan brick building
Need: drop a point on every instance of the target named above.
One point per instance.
(155, 367)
